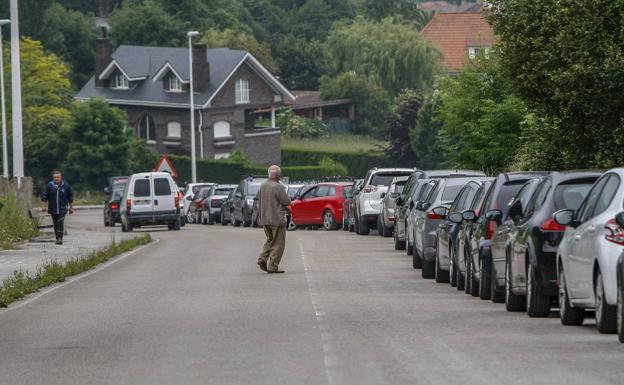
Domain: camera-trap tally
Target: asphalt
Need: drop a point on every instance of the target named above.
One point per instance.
(194, 308)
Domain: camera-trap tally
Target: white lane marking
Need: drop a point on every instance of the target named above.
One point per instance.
(35, 296)
(329, 358)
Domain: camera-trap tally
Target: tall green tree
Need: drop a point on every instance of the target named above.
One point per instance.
(565, 60)
(301, 63)
(425, 136)
(240, 40)
(314, 18)
(408, 10)
(401, 123)
(389, 53)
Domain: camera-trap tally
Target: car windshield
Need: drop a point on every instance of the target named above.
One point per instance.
(382, 179)
(253, 188)
(118, 189)
(222, 191)
(450, 193)
(198, 187)
(570, 196)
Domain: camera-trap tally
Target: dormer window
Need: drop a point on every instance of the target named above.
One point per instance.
(242, 91)
(120, 82)
(174, 84)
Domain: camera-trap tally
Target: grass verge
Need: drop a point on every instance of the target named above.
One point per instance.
(15, 227)
(89, 197)
(346, 143)
(22, 283)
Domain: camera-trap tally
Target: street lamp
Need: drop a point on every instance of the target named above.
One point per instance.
(5, 144)
(190, 35)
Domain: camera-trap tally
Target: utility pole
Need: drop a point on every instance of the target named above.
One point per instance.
(5, 143)
(192, 102)
(16, 93)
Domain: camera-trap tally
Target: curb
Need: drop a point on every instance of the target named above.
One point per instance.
(89, 207)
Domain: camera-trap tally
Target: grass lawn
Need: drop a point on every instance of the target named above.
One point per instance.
(84, 198)
(337, 142)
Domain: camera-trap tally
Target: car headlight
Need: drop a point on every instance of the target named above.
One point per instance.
(250, 202)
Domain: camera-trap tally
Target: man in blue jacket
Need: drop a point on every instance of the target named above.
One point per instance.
(58, 199)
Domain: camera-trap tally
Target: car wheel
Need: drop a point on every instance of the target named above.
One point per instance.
(106, 221)
(606, 318)
(398, 245)
(538, 304)
(441, 276)
(461, 281)
(210, 219)
(428, 269)
(409, 249)
(513, 302)
(474, 282)
(364, 226)
(620, 311)
(379, 226)
(417, 261)
(496, 295)
(329, 223)
(223, 221)
(452, 269)
(484, 284)
(124, 228)
(467, 278)
(292, 226)
(345, 223)
(568, 314)
(190, 218)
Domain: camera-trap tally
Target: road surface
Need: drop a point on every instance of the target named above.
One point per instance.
(194, 308)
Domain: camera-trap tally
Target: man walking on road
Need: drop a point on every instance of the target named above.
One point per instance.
(57, 196)
(273, 203)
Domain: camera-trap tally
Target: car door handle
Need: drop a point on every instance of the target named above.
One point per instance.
(155, 202)
(577, 238)
(591, 230)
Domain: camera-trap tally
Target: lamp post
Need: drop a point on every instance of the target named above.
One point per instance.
(16, 93)
(190, 35)
(5, 144)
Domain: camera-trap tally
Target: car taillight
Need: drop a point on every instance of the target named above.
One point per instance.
(370, 188)
(491, 228)
(432, 215)
(215, 203)
(114, 205)
(551, 225)
(177, 201)
(128, 204)
(617, 232)
(391, 219)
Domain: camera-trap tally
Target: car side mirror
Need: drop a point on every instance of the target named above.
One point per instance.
(383, 195)
(440, 211)
(564, 217)
(619, 219)
(399, 201)
(456, 217)
(494, 216)
(469, 216)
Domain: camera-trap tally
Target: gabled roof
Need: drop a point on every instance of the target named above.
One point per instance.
(454, 33)
(138, 62)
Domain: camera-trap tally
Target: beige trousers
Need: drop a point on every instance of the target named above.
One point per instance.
(273, 247)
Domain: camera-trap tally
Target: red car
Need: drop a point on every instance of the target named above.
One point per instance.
(320, 204)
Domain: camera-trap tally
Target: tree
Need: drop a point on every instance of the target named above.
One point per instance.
(425, 137)
(408, 10)
(565, 60)
(99, 144)
(301, 63)
(314, 19)
(402, 122)
(147, 23)
(372, 102)
(240, 40)
(70, 35)
(482, 118)
(390, 53)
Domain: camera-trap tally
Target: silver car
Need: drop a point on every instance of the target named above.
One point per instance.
(588, 254)
(385, 222)
(211, 209)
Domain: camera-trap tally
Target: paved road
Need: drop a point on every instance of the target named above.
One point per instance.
(194, 309)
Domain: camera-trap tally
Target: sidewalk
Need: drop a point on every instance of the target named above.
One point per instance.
(86, 234)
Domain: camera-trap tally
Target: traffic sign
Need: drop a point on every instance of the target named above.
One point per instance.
(165, 165)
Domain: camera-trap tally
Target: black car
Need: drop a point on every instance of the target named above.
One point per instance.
(483, 226)
(244, 199)
(531, 274)
(111, 205)
(227, 207)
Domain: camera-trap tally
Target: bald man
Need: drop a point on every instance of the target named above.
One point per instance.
(273, 204)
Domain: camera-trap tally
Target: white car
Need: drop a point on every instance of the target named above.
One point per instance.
(189, 192)
(150, 198)
(588, 254)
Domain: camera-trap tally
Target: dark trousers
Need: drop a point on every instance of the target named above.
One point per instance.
(59, 225)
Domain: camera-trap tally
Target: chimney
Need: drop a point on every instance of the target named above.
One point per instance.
(201, 67)
(103, 52)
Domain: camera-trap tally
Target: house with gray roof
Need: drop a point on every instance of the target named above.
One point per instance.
(152, 85)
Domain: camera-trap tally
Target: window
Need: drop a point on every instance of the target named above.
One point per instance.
(174, 130)
(309, 194)
(120, 82)
(223, 155)
(141, 188)
(322, 191)
(606, 197)
(147, 128)
(332, 191)
(474, 51)
(242, 91)
(221, 130)
(587, 208)
(175, 85)
(162, 187)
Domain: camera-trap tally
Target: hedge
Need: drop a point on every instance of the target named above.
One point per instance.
(228, 172)
(357, 163)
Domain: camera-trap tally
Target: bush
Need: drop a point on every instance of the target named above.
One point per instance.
(294, 126)
(356, 163)
(14, 226)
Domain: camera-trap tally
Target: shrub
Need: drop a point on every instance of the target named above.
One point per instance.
(299, 127)
(14, 226)
(356, 163)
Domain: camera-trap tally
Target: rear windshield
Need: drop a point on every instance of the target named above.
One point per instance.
(347, 190)
(450, 193)
(222, 191)
(142, 188)
(382, 179)
(506, 194)
(196, 188)
(570, 196)
(252, 189)
(162, 187)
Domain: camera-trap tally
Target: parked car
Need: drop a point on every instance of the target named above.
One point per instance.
(244, 200)
(227, 208)
(196, 205)
(368, 201)
(385, 221)
(211, 207)
(151, 198)
(255, 210)
(405, 202)
(111, 205)
(451, 232)
(321, 205)
(189, 192)
(110, 186)
(441, 193)
(531, 249)
(620, 287)
(348, 207)
(589, 251)
(482, 227)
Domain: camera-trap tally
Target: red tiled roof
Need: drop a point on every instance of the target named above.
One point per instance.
(454, 33)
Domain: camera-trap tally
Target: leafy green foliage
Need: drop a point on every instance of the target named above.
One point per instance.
(314, 18)
(481, 118)
(14, 226)
(389, 53)
(332, 168)
(240, 40)
(294, 126)
(402, 122)
(301, 62)
(407, 10)
(424, 136)
(371, 100)
(356, 162)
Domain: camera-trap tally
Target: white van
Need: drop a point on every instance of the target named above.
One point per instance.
(150, 198)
